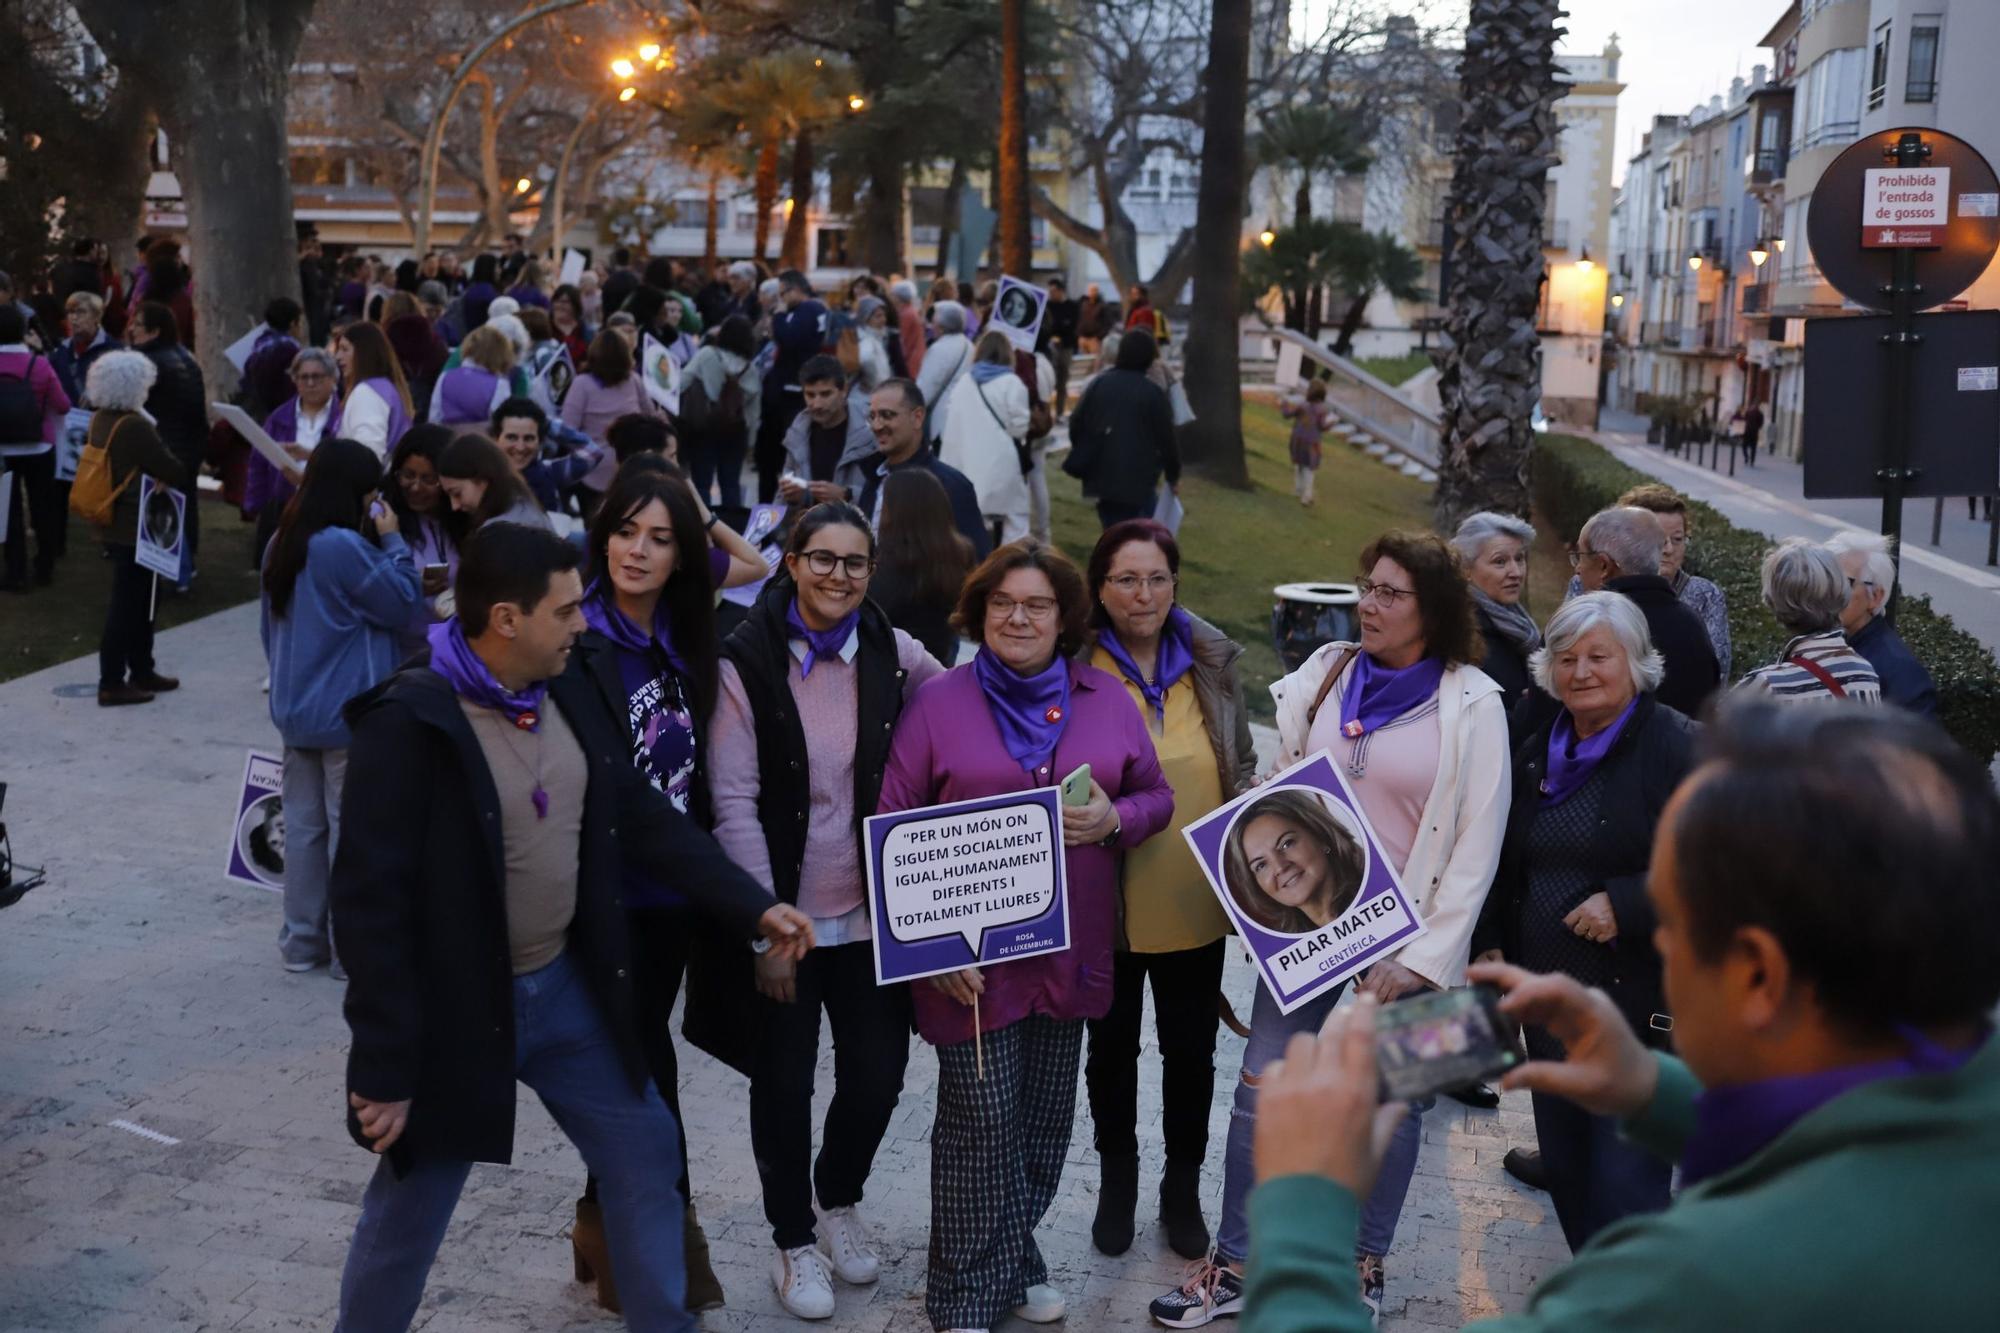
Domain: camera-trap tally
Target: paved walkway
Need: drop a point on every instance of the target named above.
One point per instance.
(1770, 498)
(172, 1154)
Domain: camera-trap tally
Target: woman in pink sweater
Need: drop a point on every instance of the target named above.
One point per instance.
(812, 684)
(608, 388)
(32, 407)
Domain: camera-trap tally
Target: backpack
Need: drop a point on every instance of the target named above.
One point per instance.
(709, 417)
(20, 406)
(1162, 331)
(92, 497)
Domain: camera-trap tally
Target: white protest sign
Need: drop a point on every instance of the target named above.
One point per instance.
(1017, 312)
(239, 351)
(572, 268)
(246, 425)
(967, 883)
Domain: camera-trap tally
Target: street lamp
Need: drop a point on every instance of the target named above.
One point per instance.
(622, 67)
(1618, 300)
(1584, 262)
(855, 101)
(1758, 254)
(523, 185)
(1266, 237)
(649, 52)
(1694, 263)
(627, 94)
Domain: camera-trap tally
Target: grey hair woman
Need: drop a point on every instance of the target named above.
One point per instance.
(1589, 787)
(1494, 548)
(118, 384)
(1806, 589)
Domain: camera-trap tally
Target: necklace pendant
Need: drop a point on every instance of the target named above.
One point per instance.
(541, 800)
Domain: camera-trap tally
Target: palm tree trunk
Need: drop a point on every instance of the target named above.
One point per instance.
(1213, 441)
(792, 254)
(767, 195)
(708, 227)
(954, 191)
(1491, 374)
(1016, 252)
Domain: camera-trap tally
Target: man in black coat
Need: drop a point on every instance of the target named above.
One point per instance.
(478, 911)
(1619, 551)
(179, 400)
(1122, 435)
(896, 415)
(1061, 323)
(1871, 572)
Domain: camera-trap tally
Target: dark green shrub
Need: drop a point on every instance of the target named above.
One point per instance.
(1574, 478)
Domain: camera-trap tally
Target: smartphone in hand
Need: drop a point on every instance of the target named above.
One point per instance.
(1076, 787)
(1440, 1039)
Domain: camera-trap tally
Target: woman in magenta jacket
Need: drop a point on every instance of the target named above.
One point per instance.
(1019, 716)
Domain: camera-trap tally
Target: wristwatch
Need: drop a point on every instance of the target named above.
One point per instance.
(760, 945)
(1111, 839)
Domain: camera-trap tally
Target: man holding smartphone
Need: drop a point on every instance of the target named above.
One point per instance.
(1831, 964)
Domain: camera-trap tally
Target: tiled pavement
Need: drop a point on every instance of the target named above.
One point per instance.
(138, 985)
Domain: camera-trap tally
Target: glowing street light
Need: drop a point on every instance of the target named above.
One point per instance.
(627, 94)
(523, 185)
(1758, 254)
(1694, 263)
(622, 67)
(1266, 237)
(855, 101)
(1778, 244)
(1617, 300)
(1584, 263)
(650, 51)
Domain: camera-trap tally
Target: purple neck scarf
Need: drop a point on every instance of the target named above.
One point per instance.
(1377, 694)
(452, 657)
(1572, 761)
(1734, 1124)
(1030, 711)
(819, 642)
(600, 610)
(1176, 659)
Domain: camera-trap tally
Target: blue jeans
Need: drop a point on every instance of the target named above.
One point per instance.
(1270, 1030)
(1595, 1176)
(628, 1140)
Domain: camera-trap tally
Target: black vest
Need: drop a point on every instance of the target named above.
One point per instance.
(760, 649)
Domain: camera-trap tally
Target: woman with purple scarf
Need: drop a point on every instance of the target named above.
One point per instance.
(1589, 788)
(1181, 672)
(312, 414)
(1023, 714)
(376, 410)
(1420, 734)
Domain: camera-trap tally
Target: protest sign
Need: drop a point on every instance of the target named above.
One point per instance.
(1304, 878)
(550, 374)
(967, 883)
(572, 269)
(239, 351)
(162, 543)
(75, 433)
(760, 532)
(254, 435)
(257, 841)
(659, 373)
(1017, 312)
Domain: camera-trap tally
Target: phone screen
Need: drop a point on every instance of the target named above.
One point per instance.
(1441, 1039)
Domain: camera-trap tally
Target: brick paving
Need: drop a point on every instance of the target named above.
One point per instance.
(139, 985)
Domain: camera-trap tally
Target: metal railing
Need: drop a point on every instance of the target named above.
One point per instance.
(1360, 400)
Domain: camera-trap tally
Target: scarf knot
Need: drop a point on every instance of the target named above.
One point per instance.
(469, 677)
(819, 642)
(1376, 695)
(1572, 759)
(1175, 660)
(600, 611)
(1030, 711)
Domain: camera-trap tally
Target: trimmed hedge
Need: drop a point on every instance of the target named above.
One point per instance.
(1574, 478)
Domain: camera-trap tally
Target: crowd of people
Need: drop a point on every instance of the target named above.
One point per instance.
(543, 784)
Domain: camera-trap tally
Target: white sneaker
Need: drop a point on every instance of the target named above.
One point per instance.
(1044, 1305)
(804, 1286)
(844, 1241)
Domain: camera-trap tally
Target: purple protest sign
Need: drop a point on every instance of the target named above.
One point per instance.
(971, 882)
(257, 839)
(1303, 876)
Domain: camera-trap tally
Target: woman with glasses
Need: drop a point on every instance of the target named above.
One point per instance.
(1696, 593)
(1420, 734)
(811, 687)
(312, 414)
(1181, 673)
(1023, 714)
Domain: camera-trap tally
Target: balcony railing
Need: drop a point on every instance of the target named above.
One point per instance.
(1757, 298)
(1555, 233)
(1768, 166)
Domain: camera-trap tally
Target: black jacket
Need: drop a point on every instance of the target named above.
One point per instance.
(179, 403)
(1646, 763)
(1506, 664)
(926, 620)
(1060, 320)
(1122, 439)
(1905, 682)
(724, 1014)
(419, 915)
(958, 488)
(1692, 671)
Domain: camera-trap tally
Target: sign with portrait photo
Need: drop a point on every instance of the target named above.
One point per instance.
(162, 542)
(967, 883)
(1304, 879)
(659, 373)
(257, 840)
(1018, 308)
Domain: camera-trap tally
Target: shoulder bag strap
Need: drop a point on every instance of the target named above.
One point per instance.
(1326, 686)
(1819, 672)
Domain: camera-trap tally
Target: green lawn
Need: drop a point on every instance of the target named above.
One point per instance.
(1393, 370)
(1236, 545)
(63, 621)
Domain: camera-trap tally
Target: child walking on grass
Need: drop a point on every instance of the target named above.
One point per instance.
(1310, 417)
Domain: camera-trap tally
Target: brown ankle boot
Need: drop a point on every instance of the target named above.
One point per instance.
(704, 1288)
(592, 1254)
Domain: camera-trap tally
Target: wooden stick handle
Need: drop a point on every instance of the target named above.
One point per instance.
(978, 1044)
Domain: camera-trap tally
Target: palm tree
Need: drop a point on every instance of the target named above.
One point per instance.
(1365, 264)
(1299, 258)
(1490, 375)
(1310, 140)
(1016, 252)
(772, 99)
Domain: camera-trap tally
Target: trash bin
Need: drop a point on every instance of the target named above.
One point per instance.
(1307, 615)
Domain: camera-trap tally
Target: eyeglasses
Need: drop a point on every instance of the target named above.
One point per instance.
(822, 562)
(1131, 583)
(406, 477)
(1577, 556)
(1001, 607)
(311, 377)
(1388, 594)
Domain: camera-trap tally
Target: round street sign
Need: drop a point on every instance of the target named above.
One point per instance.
(1866, 207)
